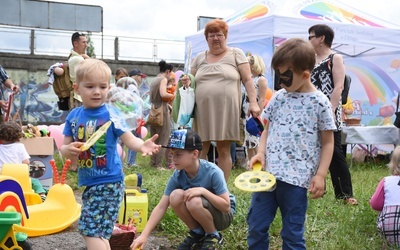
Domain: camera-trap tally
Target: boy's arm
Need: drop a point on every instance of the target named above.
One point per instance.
(156, 215)
(317, 187)
(134, 143)
(261, 151)
(220, 202)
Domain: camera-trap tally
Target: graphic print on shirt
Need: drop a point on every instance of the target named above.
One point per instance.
(95, 157)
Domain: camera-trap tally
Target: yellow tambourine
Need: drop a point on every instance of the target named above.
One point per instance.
(256, 180)
(92, 140)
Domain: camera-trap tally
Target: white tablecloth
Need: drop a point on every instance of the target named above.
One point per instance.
(370, 135)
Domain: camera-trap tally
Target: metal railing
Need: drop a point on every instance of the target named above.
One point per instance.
(54, 42)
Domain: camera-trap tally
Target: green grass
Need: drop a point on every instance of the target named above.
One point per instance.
(330, 225)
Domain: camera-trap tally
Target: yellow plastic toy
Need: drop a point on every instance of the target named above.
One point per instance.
(21, 173)
(256, 180)
(55, 214)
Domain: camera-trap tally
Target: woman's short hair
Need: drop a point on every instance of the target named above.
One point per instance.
(216, 26)
(120, 71)
(256, 64)
(296, 53)
(323, 30)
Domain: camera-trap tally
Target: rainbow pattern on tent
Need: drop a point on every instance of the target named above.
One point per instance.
(250, 13)
(327, 12)
(376, 83)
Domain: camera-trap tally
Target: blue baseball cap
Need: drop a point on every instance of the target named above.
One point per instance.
(254, 126)
(185, 139)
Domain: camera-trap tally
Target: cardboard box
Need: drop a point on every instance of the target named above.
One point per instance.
(41, 150)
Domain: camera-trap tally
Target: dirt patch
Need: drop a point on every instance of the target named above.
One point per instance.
(70, 239)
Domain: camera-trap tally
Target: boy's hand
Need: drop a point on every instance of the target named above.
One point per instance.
(149, 147)
(72, 150)
(259, 157)
(139, 243)
(317, 187)
(192, 192)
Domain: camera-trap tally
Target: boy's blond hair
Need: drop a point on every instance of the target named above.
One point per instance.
(296, 53)
(394, 164)
(257, 64)
(89, 67)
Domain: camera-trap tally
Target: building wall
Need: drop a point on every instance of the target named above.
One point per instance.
(36, 102)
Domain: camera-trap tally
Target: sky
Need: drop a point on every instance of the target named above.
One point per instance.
(176, 19)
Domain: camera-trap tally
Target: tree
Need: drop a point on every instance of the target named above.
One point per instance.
(90, 48)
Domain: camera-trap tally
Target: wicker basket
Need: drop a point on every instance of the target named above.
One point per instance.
(122, 240)
(352, 122)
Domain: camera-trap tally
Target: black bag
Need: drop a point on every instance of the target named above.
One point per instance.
(397, 113)
(346, 84)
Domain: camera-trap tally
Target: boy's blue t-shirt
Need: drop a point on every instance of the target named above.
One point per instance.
(101, 162)
(210, 177)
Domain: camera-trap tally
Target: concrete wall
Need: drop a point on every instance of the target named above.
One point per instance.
(36, 102)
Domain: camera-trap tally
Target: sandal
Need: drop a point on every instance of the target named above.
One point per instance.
(351, 201)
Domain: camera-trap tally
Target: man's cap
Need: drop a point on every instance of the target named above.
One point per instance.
(254, 126)
(136, 72)
(185, 139)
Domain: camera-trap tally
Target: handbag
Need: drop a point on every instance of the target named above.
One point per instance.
(186, 105)
(156, 116)
(397, 113)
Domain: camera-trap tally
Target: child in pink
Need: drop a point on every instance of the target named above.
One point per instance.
(386, 200)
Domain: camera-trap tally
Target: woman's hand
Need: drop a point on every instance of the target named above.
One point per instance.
(254, 109)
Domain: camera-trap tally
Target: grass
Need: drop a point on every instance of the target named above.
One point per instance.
(330, 225)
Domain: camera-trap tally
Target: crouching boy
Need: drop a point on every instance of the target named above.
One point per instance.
(198, 194)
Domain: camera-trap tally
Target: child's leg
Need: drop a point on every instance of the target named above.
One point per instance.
(94, 243)
(293, 204)
(261, 214)
(99, 212)
(177, 203)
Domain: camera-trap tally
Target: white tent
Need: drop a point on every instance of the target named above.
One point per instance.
(370, 46)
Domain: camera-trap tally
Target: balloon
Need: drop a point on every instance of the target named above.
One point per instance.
(56, 133)
(178, 75)
(120, 151)
(268, 94)
(143, 132)
(125, 107)
(62, 126)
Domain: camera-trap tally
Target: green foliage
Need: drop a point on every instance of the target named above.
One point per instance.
(330, 224)
(90, 48)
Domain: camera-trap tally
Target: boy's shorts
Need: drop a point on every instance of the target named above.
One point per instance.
(100, 207)
(221, 220)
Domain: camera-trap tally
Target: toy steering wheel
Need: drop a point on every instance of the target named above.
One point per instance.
(256, 180)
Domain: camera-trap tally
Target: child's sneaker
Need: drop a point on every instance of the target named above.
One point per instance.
(212, 241)
(192, 241)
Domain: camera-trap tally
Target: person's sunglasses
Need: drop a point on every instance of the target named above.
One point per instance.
(311, 37)
(76, 35)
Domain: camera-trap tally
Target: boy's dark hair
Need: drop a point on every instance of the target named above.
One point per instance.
(296, 53)
(323, 30)
(10, 131)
